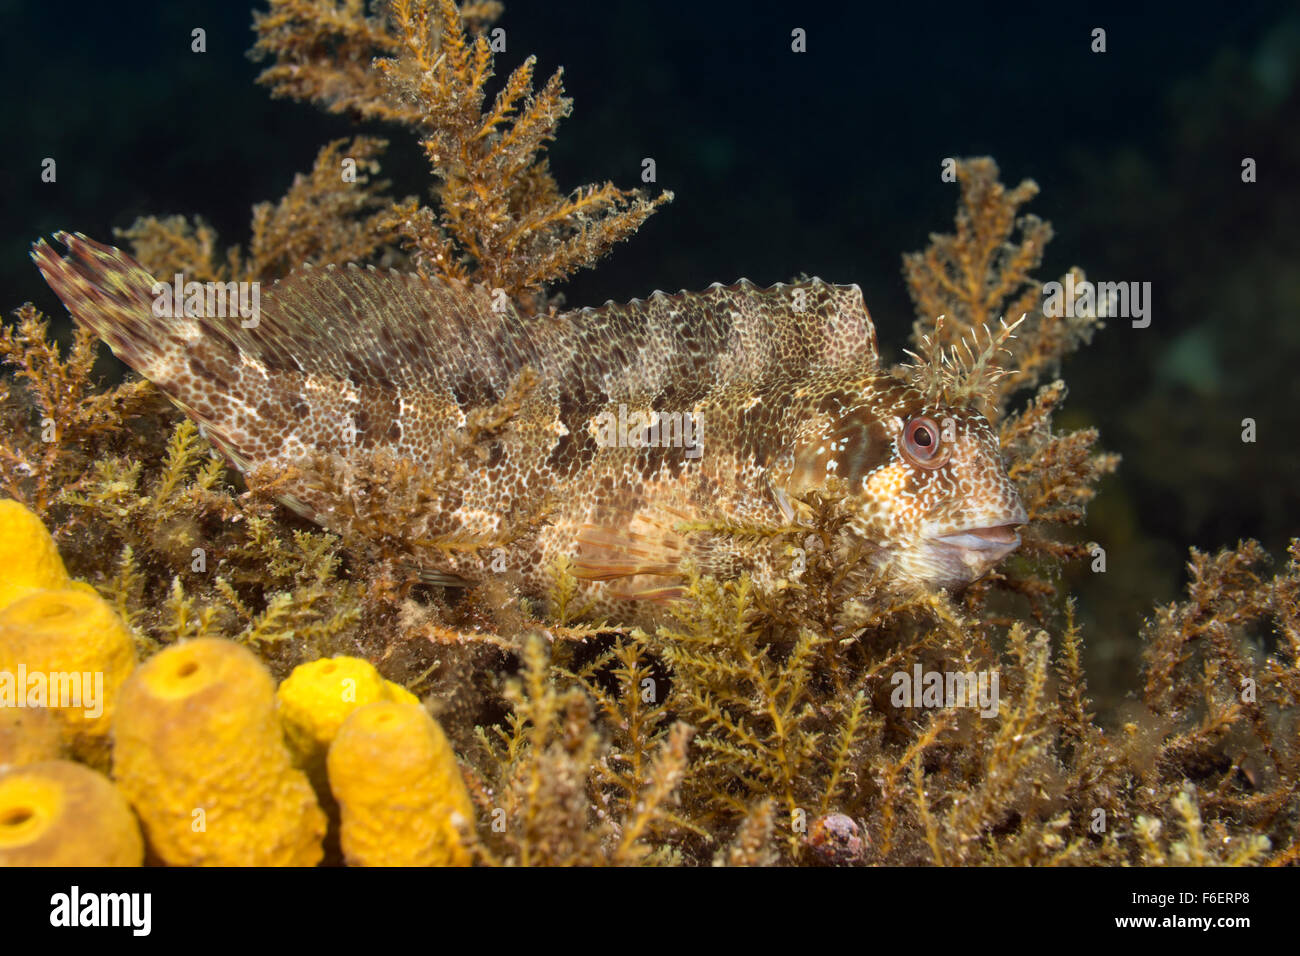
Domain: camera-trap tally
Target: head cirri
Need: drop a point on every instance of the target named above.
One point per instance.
(927, 483)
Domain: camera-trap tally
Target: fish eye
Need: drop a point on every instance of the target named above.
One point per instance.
(921, 445)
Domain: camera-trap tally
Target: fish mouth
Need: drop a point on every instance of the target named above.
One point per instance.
(998, 538)
(956, 558)
(978, 549)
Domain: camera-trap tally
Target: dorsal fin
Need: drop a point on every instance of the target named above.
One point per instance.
(727, 333)
(387, 328)
(106, 290)
(383, 328)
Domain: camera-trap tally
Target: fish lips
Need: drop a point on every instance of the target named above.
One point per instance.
(993, 543)
(971, 552)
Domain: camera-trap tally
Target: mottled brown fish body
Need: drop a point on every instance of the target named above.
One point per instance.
(632, 421)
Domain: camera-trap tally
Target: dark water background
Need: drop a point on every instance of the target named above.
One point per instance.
(824, 163)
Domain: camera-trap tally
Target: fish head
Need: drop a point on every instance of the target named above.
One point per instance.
(928, 489)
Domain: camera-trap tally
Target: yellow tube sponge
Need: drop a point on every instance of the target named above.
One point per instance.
(318, 696)
(399, 790)
(28, 735)
(59, 813)
(29, 561)
(200, 755)
(69, 651)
